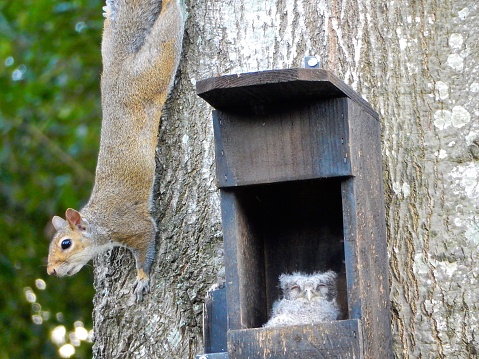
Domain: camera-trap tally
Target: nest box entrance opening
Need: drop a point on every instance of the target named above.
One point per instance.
(287, 227)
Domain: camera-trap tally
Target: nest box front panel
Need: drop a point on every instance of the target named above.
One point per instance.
(293, 141)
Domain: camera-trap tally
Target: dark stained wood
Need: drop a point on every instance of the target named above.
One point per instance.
(369, 232)
(298, 162)
(244, 265)
(292, 142)
(255, 91)
(339, 339)
(215, 321)
(350, 234)
(213, 356)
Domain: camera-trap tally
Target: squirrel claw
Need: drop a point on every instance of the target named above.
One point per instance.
(107, 10)
(141, 287)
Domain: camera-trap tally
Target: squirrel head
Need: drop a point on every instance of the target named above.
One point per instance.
(71, 247)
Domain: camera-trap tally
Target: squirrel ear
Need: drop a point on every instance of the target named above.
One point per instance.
(58, 222)
(74, 219)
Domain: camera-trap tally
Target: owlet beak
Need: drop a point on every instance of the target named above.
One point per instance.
(309, 295)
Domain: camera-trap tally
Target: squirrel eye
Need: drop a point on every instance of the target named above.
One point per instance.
(66, 243)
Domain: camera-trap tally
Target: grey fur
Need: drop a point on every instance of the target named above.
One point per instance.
(307, 299)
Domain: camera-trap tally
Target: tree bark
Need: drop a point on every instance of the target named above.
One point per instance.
(416, 62)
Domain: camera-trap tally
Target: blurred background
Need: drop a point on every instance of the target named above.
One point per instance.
(50, 116)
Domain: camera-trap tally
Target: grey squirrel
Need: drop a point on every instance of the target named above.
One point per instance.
(141, 49)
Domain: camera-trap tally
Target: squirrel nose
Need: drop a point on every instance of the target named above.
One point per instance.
(51, 271)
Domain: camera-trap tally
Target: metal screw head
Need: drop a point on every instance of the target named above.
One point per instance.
(311, 62)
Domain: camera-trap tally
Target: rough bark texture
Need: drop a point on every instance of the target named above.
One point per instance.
(417, 63)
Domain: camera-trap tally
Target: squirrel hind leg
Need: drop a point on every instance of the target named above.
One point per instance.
(142, 285)
(143, 249)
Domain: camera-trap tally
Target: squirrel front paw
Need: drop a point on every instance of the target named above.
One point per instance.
(141, 286)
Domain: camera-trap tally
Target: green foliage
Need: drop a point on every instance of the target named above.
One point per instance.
(49, 125)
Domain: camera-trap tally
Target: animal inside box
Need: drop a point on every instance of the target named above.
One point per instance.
(306, 299)
(290, 227)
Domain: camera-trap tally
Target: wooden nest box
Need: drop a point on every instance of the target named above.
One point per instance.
(298, 165)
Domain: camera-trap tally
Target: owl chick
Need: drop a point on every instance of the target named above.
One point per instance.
(307, 298)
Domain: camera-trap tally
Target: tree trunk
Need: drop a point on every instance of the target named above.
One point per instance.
(416, 62)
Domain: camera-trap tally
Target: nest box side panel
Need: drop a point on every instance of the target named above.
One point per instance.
(366, 235)
(244, 264)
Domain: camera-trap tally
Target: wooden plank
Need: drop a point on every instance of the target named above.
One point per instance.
(350, 231)
(244, 264)
(294, 142)
(213, 356)
(256, 91)
(215, 321)
(229, 218)
(338, 339)
(371, 289)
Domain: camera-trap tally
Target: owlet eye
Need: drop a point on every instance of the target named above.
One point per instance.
(323, 289)
(66, 243)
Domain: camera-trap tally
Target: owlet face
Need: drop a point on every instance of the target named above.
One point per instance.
(307, 288)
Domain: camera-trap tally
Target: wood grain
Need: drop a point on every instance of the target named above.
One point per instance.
(339, 339)
(252, 92)
(292, 142)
